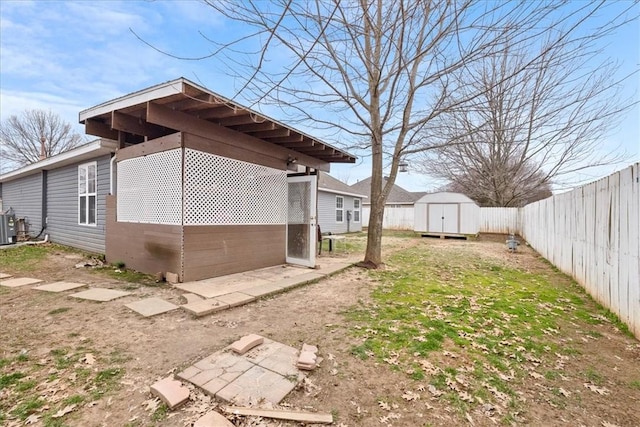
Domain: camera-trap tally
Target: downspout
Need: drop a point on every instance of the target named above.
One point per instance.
(111, 163)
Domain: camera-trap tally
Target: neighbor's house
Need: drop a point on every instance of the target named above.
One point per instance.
(200, 185)
(398, 210)
(66, 193)
(339, 207)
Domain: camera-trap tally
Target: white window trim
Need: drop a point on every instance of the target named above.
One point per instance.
(339, 210)
(358, 209)
(87, 194)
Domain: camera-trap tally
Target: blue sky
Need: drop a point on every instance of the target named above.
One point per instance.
(69, 56)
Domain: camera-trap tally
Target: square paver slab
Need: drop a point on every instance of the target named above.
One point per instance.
(235, 299)
(100, 294)
(5, 275)
(19, 281)
(151, 306)
(255, 385)
(59, 286)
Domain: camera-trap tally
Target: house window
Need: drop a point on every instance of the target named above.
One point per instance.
(339, 209)
(87, 193)
(356, 210)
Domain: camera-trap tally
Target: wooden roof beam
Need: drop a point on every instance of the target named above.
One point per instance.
(97, 128)
(242, 119)
(252, 127)
(268, 134)
(136, 126)
(220, 112)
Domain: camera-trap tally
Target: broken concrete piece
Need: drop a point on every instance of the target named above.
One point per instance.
(191, 298)
(212, 419)
(246, 343)
(204, 307)
(171, 392)
(171, 277)
(303, 417)
(310, 348)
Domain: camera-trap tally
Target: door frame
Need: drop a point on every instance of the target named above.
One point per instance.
(312, 225)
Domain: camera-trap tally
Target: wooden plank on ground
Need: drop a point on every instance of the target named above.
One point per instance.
(299, 416)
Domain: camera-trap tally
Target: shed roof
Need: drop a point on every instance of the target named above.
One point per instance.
(78, 154)
(330, 184)
(445, 197)
(132, 116)
(398, 195)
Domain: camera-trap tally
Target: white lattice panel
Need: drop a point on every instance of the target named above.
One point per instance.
(150, 188)
(219, 190)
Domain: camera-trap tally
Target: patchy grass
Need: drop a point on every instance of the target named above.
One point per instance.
(125, 275)
(19, 260)
(65, 377)
(472, 328)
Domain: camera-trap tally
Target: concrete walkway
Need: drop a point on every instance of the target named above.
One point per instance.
(224, 292)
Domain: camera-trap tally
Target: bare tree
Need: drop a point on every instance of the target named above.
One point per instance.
(510, 185)
(541, 115)
(376, 72)
(21, 136)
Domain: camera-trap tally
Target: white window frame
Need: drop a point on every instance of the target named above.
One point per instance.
(83, 192)
(356, 210)
(340, 209)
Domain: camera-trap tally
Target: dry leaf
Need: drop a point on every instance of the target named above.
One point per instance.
(600, 390)
(468, 417)
(410, 396)
(608, 424)
(89, 359)
(32, 419)
(564, 392)
(384, 405)
(536, 375)
(64, 411)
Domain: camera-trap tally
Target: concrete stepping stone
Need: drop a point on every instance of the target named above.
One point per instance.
(191, 298)
(171, 392)
(59, 286)
(151, 306)
(204, 307)
(19, 281)
(263, 290)
(255, 385)
(5, 275)
(236, 298)
(212, 419)
(246, 343)
(100, 294)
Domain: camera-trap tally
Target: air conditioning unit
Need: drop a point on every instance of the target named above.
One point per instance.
(7, 229)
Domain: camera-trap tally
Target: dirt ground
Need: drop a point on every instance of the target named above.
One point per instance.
(35, 323)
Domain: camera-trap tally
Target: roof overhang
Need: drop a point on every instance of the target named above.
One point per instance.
(127, 120)
(84, 152)
(329, 190)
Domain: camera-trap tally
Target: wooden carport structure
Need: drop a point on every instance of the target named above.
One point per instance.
(202, 183)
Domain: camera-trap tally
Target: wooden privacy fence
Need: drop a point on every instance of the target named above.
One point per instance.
(500, 220)
(591, 233)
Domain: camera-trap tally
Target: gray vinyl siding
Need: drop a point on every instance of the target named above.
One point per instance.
(62, 206)
(24, 195)
(327, 214)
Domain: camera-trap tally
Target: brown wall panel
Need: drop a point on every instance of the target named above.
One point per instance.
(211, 251)
(157, 145)
(149, 248)
(245, 153)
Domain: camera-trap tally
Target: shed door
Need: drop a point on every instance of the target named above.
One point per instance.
(450, 218)
(301, 220)
(442, 218)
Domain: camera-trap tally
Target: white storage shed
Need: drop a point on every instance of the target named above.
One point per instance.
(446, 214)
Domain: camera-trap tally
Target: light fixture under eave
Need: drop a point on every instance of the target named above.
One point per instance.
(291, 160)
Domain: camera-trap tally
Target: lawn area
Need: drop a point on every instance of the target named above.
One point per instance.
(476, 331)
